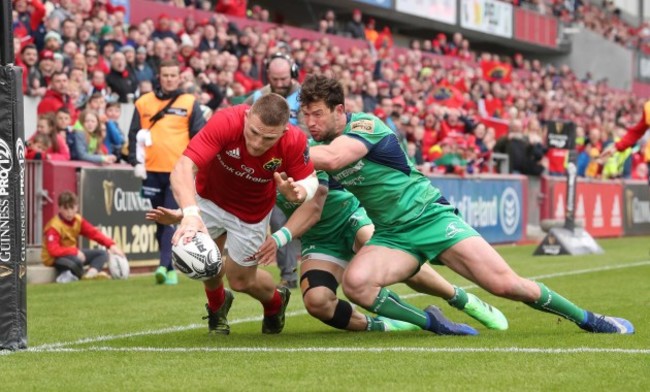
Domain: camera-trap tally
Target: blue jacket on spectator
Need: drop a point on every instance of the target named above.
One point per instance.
(114, 139)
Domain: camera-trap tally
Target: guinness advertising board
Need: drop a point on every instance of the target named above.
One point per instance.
(111, 200)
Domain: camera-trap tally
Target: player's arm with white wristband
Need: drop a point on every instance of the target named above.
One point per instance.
(297, 191)
(182, 182)
(302, 219)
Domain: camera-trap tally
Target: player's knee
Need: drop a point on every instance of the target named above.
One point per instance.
(355, 286)
(240, 284)
(320, 303)
(319, 292)
(508, 287)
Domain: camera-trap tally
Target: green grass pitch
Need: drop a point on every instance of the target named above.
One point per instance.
(135, 336)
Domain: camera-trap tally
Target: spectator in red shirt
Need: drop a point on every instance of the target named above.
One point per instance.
(56, 97)
(633, 134)
(61, 249)
(243, 75)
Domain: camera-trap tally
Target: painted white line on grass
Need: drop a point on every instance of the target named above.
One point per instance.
(508, 350)
(297, 313)
(149, 332)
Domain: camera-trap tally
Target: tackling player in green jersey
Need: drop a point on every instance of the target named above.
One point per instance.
(332, 227)
(413, 222)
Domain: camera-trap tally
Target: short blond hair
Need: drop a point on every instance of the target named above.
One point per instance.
(272, 110)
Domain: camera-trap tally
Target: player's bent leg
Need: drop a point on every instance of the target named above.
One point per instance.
(428, 281)
(375, 267)
(319, 283)
(476, 260)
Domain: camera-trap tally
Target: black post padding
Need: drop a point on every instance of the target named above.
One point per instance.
(13, 265)
(6, 33)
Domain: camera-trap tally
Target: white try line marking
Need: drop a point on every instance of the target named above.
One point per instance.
(507, 350)
(105, 338)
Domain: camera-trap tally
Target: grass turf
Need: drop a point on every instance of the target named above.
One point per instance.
(134, 335)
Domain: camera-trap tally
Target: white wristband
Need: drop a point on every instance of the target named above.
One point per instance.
(282, 237)
(192, 211)
(310, 184)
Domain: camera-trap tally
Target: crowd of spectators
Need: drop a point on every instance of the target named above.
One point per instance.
(452, 107)
(600, 16)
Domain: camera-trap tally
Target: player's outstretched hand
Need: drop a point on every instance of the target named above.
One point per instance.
(607, 152)
(188, 228)
(164, 216)
(289, 189)
(116, 251)
(267, 253)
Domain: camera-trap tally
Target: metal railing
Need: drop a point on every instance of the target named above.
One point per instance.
(35, 196)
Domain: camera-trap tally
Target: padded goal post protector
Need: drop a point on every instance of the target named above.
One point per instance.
(13, 265)
(6, 33)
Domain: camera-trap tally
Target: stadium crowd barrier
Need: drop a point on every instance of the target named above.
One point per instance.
(495, 205)
(610, 208)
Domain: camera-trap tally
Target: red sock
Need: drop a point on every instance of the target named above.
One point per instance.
(216, 297)
(273, 306)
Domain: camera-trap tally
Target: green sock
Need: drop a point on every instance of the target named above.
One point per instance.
(388, 304)
(375, 325)
(552, 302)
(459, 300)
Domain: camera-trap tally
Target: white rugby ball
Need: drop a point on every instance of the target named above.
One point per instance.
(199, 259)
(118, 266)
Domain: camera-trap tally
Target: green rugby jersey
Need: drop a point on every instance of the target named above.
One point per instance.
(385, 181)
(339, 206)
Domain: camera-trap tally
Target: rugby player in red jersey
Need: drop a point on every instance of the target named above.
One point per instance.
(238, 157)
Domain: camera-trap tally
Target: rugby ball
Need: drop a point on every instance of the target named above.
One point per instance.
(118, 266)
(199, 259)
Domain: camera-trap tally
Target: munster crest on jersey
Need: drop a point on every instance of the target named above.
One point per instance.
(273, 164)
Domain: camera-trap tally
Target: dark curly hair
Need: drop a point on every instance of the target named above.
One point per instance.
(318, 88)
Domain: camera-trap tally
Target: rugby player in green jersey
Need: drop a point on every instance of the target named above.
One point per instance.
(332, 226)
(413, 222)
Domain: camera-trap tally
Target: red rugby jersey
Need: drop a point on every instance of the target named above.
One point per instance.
(233, 179)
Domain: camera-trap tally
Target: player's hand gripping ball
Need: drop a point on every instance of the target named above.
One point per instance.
(199, 259)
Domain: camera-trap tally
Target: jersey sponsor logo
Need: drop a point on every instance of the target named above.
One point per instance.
(452, 230)
(244, 172)
(234, 153)
(273, 164)
(340, 176)
(367, 126)
(177, 112)
(509, 211)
